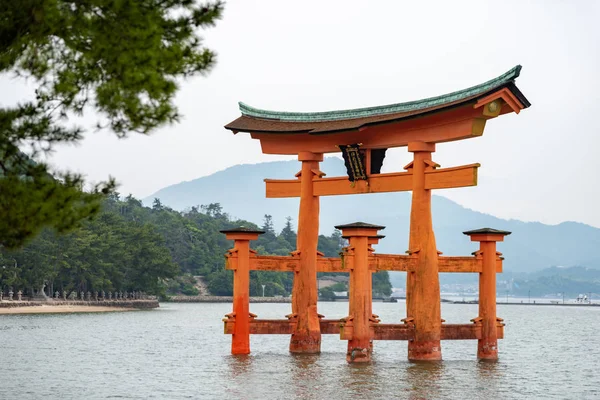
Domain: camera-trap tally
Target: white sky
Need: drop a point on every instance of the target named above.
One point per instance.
(540, 165)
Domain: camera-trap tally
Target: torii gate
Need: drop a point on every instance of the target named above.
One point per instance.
(363, 135)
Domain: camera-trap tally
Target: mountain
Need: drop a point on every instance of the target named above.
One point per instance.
(569, 281)
(531, 247)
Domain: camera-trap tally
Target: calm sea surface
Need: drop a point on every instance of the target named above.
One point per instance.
(179, 351)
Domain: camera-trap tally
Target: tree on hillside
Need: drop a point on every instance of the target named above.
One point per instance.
(288, 232)
(331, 245)
(157, 204)
(381, 284)
(121, 59)
(212, 210)
(268, 225)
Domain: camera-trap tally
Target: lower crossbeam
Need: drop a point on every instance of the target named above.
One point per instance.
(407, 331)
(283, 326)
(379, 331)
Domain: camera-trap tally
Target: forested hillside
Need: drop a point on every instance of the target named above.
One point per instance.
(153, 249)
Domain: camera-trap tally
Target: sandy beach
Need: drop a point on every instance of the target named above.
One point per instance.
(60, 309)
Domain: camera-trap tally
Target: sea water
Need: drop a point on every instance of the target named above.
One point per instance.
(180, 352)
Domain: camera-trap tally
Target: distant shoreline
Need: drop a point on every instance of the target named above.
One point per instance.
(512, 303)
(68, 307)
(225, 299)
(229, 299)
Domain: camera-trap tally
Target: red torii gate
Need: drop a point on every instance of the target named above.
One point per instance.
(363, 135)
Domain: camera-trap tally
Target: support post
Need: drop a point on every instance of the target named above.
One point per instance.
(487, 346)
(423, 285)
(307, 335)
(240, 340)
(360, 290)
(371, 242)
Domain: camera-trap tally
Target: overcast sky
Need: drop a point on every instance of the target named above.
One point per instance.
(540, 165)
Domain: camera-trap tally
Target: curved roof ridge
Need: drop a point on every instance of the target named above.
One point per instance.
(501, 80)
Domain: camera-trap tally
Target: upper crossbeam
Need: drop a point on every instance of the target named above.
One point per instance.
(443, 178)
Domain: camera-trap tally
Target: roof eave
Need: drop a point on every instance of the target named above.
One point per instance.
(312, 117)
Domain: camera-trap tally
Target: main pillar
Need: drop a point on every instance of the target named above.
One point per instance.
(307, 335)
(240, 340)
(422, 285)
(487, 346)
(360, 291)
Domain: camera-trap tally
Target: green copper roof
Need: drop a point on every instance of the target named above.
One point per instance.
(503, 79)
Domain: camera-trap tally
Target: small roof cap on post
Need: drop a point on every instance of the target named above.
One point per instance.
(487, 235)
(487, 231)
(359, 225)
(359, 229)
(377, 237)
(242, 233)
(242, 229)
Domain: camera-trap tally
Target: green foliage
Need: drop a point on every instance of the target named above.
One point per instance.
(339, 287)
(276, 283)
(123, 56)
(326, 293)
(108, 253)
(220, 283)
(121, 59)
(184, 284)
(156, 250)
(31, 199)
(330, 246)
(268, 226)
(287, 232)
(381, 284)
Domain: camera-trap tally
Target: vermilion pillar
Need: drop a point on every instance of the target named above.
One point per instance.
(360, 290)
(240, 340)
(307, 335)
(422, 285)
(373, 240)
(487, 346)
